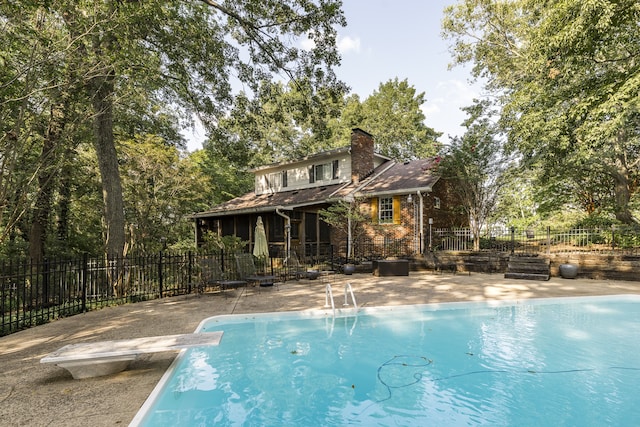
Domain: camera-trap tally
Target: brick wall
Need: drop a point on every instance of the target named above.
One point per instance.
(450, 213)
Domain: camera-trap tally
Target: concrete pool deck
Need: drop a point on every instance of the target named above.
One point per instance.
(42, 395)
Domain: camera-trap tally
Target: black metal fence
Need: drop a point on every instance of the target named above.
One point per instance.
(35, 293)
(621, 240)
(375, 249)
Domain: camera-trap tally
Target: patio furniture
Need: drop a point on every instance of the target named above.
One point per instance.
(247, 271)
(211, 274)
(293, 268)
(391, 267)
(94, 359)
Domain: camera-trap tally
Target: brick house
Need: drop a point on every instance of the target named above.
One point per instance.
(402, 199)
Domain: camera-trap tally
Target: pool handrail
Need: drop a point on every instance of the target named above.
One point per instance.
(348, 288)
(328, 295)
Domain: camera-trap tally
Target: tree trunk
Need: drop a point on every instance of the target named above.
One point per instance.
(46, 179)
(64, 204)
(622, 194)
(103, 89)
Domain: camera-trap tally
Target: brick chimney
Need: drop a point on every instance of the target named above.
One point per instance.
(361, 155)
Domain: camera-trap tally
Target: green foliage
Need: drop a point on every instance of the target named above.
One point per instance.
(474, 166)
(516, 204)
(283, 122)
(346, 219)
(289, 122)
(212, 242)
(566, 75)
(392, 114)
(82, 78)
(162, 189)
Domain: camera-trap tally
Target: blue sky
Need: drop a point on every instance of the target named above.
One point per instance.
(385, 39)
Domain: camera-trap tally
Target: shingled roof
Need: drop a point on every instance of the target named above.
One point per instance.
(402, 178)
(387, 179)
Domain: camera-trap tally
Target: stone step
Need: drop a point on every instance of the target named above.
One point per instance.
(527, 267)
(528, 260)
(526, 276)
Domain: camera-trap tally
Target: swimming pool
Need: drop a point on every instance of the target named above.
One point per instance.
(566, 361)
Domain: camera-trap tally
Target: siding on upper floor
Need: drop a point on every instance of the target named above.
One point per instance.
(337, 170)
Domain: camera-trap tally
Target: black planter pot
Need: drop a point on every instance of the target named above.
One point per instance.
(348, 269)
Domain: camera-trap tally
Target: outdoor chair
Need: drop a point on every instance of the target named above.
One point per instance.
(212, 275)
(292, 267)
(247, 271)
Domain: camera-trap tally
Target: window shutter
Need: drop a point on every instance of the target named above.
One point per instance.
(335, 169)
(311, 175)
(374, 210)
(396, 209)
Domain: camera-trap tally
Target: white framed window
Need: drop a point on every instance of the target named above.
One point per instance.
(436, 202)
(385, 210)
(274, 180)
(323, 172)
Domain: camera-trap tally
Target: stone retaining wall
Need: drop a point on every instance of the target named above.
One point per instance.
(590, 266)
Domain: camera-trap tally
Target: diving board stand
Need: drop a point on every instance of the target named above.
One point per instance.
(94, 359)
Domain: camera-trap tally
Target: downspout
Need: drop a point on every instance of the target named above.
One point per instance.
(421, 215)
(349, 237)
(195, 231)
(349, 198)
(287, 229)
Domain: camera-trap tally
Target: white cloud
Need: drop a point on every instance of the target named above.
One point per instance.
(457, 92)
(442, 110)
(431, 108)
(348, 44)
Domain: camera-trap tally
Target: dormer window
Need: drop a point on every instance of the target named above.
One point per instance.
(323, 172)
(275, 181)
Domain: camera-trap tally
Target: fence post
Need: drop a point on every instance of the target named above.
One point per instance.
(548, 240)
(513, 240)
(190, 273)
(613, 237)
(160, 273)
(85, 272)
(45, 281)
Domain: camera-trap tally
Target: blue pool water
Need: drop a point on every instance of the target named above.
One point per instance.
(560, 362)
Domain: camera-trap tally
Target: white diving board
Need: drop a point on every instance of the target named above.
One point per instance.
(94, 359)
